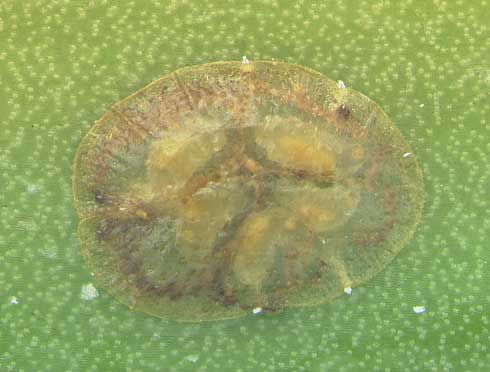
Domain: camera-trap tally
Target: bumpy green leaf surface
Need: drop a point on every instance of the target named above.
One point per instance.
(63, 63)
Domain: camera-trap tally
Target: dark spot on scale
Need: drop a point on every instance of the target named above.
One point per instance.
(99, 197)
(343, 112)
(130, 264)
(104, 228)
(300, 174)
(173, 291)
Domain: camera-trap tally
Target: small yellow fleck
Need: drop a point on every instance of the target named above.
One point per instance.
(188, 235)
(290, 223)
(251, 165)
(247, 67)
(141, 213)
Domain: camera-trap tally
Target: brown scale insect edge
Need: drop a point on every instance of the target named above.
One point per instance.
(130, 124)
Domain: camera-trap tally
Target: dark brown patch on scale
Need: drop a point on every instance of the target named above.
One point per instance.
(99, 197)
(343, 112)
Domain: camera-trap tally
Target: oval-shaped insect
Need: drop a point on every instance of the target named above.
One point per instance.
(231, 186)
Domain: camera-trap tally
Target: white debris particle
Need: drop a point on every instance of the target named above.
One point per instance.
(419, 309)
(341, 84)
(348, 290)
(50, 252)
(257, 311)
(245, 60)
(13, 300)
(422, 105)
(323, 241)
(407, 155)
(89, 292)
(192, 358)
(33, 189)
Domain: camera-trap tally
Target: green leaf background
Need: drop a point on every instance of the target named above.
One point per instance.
(426, 62)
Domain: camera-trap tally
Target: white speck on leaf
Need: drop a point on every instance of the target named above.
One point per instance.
(89, 292)
(192, 358)
(33, 188)
(422, 105)
(257, 311)
(348, 290)
(341, 84)
(407, 155)
(13, 300)
(245, 60)
(50, 252)
(419, 309)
